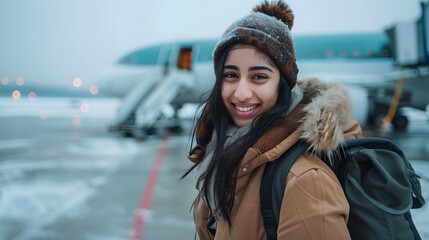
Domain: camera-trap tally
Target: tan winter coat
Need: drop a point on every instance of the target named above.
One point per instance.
(314, 205)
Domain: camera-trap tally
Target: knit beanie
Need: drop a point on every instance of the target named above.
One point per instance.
(268, 29)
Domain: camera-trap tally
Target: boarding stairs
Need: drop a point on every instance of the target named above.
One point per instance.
(125, 117)
(165, 92)
(142, 107)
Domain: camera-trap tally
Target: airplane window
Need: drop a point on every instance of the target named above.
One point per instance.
(357, 53)
(329, 53)
(316, 54)
(385, 52)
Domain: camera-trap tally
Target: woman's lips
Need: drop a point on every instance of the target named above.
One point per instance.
(245, 110)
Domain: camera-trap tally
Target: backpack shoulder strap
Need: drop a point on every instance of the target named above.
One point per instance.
(273, 186)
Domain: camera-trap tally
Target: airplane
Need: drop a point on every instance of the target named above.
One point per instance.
(182, 72)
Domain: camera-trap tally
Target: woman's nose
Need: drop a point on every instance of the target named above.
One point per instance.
(243, 90)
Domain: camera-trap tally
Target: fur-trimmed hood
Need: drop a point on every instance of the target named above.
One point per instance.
(327, 119)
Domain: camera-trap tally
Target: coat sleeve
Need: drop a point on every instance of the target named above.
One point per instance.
(313, 207)
(201, 213)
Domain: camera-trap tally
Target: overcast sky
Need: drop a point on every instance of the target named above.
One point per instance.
(54, 41)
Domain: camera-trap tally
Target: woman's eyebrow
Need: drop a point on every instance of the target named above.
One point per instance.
(260, 68)
(231, 67)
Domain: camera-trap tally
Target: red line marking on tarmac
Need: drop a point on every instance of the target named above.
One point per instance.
(139, 220)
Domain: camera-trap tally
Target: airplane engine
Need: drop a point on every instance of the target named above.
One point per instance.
(360, 102)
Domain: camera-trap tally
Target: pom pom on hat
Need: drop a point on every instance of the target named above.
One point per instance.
(280, 10)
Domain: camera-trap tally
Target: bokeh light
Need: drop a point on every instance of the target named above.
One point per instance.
(20, 81)
(84, 107)
(32, 96)
(16, 94)
(76, 121)
(77, 82)
(43, 115)
(5, 81)
(93, 89)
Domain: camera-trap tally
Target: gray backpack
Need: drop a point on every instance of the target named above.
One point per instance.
(378, 181)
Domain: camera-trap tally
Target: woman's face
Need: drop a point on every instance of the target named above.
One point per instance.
(250, 83)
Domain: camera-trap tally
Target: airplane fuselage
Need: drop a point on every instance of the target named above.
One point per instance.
(362, 62)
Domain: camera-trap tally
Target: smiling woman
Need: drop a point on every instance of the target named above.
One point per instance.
(250, 84)
(255, 112)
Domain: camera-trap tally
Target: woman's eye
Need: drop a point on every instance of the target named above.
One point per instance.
(259, 77)
(230, 75)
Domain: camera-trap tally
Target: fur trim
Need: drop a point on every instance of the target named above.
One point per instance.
(325, 115)
(279, 10)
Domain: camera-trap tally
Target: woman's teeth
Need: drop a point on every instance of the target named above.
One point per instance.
(245, 109)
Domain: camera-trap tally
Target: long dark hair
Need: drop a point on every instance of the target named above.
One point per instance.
(226, 161)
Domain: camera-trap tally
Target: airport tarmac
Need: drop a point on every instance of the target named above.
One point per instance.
(63, 178)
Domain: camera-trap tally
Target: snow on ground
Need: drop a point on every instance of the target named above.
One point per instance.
(36, 192)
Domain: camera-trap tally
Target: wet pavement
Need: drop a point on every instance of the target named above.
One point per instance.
(60, 179)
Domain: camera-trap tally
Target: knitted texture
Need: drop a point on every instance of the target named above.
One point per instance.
(268, 29)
